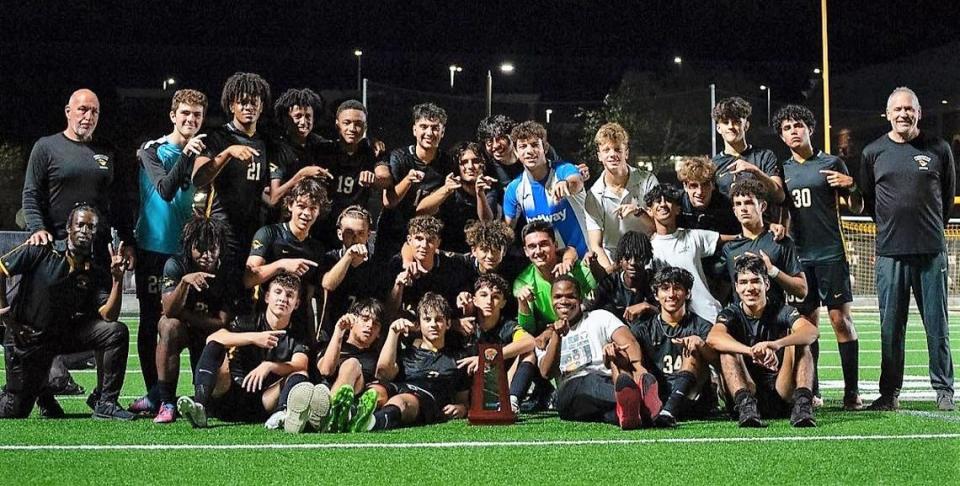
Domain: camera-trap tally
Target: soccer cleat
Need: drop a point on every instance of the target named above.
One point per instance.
(93, 399)
(884, 403)
(852, 402)
(166, 415)
(319, 406)
(749, 415)
(143, 406)
(802, 414)
(340, 409)
(49, 407)
(111, 410)
(817, 402)
(650, 390)
(366, 404)
(193, 412)
(628, 398)
(298, 408)
(665, 420)
(945, 401)
(276, 420)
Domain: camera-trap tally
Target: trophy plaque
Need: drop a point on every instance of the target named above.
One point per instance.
(490, 394)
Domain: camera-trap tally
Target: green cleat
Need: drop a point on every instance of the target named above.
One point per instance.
(339, 415)
(366, 404)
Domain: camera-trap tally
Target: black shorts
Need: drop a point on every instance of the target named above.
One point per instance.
(239, 405)
(430, 410)
(149, 274)
(827, 284)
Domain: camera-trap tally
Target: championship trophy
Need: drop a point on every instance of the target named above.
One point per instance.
(490, 395)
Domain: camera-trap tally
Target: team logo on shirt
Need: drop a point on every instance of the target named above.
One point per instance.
(923, 162)
(103, 161)
(83, 282)
(257, 245)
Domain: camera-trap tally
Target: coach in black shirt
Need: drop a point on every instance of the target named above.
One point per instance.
(908, 179)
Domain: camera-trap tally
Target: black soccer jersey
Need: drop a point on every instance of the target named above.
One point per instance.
(244, 359)
(456, 212)
(53, 290)
(435, 372)
(775, 322)
(814, 208)
(764, 159)
(783, 255)
(448, 277)
(289, 156)
(717, 216)
(276, 242)
(613, 295)
(223, 293)
(237, 189)
(345, 189)
(655, 337)
(367, 357)
(364, 281)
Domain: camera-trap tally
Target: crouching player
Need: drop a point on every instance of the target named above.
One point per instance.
(764, 352)
(253, 379)
(426, 385)
(487, 322)
(350, 364)
(599, 364)
(673, 347)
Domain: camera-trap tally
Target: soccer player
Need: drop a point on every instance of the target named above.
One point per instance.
(466, 195)
(350, 361)
(777, 380)
(702, 205)
(412, 172)
(909, 180)
(740, 160)
(532, 286)
(673, 341)
(684, 248)
(597, 363)
(295, 154)
(253, 379)
(485, 311)
(166, 202)
(551, 193)
(425, 383)
(614, 204)
(626, 292)
(66, 303)
(494, 133)
(755, 238)
(815, 183)
(288, 247)
(233, 171)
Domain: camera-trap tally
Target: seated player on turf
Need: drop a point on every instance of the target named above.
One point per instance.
(486, 320)
(288, 247)
(764, 352)
(199, 296)
(673, 346)
(246, 372)
(426, 385)
(626, 292)
(597, 363)
(349, 364)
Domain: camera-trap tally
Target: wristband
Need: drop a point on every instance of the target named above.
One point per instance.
(773, 272)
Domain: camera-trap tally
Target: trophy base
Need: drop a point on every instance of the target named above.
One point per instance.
(491, 417)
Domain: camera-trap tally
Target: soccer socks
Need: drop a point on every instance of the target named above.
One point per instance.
(521, 380)
(387, 417)
(682, 384)
(850, 362)
(162, 393)
(292, 381)
(207, 368)
(815, 351)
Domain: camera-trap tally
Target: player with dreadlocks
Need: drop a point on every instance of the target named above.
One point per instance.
(627, 293)
(294, 154)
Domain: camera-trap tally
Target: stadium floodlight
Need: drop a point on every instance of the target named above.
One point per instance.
(505, 68)
(677, 60)
(168, 82)
(766, 88)
(549, 112)
(944, 102)
(359, 54)
(816, 71)
(454, 69)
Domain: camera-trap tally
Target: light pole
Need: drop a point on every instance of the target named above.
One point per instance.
(549, 112)
(505, 68)
(454, 69)
(359, 55)
(168, 82)
(768, 90)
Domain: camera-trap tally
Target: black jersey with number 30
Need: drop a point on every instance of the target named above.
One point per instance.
(814, 208)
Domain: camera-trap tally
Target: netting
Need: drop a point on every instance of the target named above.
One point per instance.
(860, 234)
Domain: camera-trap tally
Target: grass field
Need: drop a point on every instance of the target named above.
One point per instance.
(915, 446)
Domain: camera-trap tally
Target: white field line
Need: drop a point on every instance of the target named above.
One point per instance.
(947, 417)
(477, 444)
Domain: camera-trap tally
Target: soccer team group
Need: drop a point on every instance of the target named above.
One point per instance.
(627, 301)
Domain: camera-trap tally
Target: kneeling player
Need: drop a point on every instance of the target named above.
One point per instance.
(245, 384)
(776, 339)
(598, 362)
(673, 342)
(350, 362)
(427, 386)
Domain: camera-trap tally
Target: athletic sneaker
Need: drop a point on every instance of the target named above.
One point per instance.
(852, 402)
(665, 420)
(193, 412)
(298, 408)
(49, 407)
(166, 415)
(143, 406)
(650, 391)
(628, 399)
(366, 404)
(945, 401)
(884, 403)
(339, 417)
(749, 415)
(319, 406)
(802, 414)
(111, 410)
(276, 420)
(93, 399)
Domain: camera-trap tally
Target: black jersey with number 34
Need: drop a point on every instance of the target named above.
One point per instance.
(814, 208)
(656, 339)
